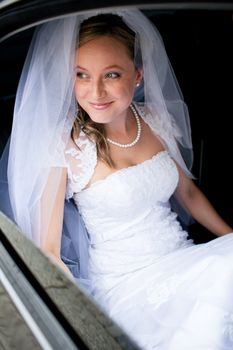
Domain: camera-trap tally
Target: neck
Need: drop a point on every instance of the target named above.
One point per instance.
(121, 127)
(136, 138)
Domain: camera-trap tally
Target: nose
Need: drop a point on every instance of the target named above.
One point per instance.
(98, 89)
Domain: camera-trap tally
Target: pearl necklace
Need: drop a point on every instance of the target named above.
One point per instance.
(127, 145)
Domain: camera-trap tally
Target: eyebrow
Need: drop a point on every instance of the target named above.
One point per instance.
(106, 68)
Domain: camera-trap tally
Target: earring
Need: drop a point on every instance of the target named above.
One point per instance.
(138, 84)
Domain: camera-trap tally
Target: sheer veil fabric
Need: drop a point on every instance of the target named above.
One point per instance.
(45, 110)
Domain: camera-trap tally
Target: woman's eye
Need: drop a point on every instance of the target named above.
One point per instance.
(112, 75)
(81, 75)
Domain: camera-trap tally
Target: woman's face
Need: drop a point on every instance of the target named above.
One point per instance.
(105, 79)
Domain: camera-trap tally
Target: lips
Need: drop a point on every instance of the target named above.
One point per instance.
(100, 106)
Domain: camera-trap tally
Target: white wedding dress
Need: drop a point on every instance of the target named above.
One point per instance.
(163, 290)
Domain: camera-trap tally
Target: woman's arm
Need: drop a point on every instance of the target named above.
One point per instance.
(51, 241)
(196, 203)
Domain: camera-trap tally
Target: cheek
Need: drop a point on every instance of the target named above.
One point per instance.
(128, 91)
(124, 88)
(80, 90)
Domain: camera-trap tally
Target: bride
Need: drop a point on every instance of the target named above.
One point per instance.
(100, 120)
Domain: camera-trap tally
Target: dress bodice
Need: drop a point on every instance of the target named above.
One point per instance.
(127, 196)
(129, 219)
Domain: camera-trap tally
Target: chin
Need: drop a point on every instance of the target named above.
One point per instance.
(101, 116)
(99, 119)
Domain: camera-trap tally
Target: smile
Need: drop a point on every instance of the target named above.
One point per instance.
(100, 106)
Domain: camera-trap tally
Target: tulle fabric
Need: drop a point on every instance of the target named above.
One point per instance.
(160, 87)
(43, 117)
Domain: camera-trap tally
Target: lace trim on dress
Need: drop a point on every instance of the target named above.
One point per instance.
(159, 125)
(81, 163)
(157, 294)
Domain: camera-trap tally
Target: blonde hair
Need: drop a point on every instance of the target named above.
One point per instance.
(93, 27)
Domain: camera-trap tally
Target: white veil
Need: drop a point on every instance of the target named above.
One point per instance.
(45, 111)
